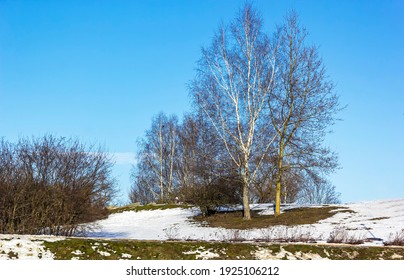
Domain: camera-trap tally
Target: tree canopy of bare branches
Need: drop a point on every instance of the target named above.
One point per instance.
(302, 106)
(235, 77)
(262, 107)
(154, 174)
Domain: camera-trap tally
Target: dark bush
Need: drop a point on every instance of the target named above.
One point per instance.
(52, 186)
(225, 190)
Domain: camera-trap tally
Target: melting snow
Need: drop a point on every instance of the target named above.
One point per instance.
(203, 254)
(25, 247)
(374, 220)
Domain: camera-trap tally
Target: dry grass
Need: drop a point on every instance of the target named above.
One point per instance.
(93, 249)
(379, 218)
(395, 239)
(135, 207)
(293, 217)
(341, 235)
(287, 235)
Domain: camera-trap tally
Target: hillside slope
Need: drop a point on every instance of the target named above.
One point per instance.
(366, 220)
(375, 222)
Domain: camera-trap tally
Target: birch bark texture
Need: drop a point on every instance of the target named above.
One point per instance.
(235, 77)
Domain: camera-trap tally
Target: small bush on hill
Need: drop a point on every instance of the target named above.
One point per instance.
(222, 191)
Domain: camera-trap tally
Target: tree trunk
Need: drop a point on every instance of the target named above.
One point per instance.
(279, 180)
(246, 201)
(278, 197)
(161, 163)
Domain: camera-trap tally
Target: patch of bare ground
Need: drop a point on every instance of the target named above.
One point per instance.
(292, 217)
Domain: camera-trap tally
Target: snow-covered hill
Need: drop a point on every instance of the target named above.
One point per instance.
(374, 219)
(368, 220)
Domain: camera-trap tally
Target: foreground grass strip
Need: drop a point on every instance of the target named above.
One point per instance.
(91, 249)
(86, 249)
(293, 217)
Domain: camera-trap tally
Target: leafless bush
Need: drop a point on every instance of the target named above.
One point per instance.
(338, 235)
(341, 235)
(52, 186)
(224, 190)
(298, 234)
(355, 239)
(396, 239)
(267, 234)
(172, 232)
(237, 235)
(287, 234)
(232, 235)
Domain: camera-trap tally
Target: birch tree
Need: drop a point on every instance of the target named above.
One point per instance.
(154, 176)
(235, 77)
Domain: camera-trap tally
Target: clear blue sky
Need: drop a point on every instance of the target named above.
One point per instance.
(99, 70)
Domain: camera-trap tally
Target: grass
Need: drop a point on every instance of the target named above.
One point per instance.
(148, 207)
(293, 217)
(86, 249)
(91, 249)
(379, 218)
(346, 252)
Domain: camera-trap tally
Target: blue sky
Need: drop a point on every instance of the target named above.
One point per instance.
(99, 70)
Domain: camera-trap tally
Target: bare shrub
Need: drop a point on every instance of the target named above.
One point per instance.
(287, 234)
(172, 232)
(341, 235)
(298, 234)
(233, 235)
(52, 186)
(267, 234)
(338, 235)
(395, 239)
(355, 239)
(224, 190)
(237, 235)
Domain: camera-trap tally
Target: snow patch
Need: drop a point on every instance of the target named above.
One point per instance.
(77, 253)
(126, 256)
(203, 254)
(25, 247)
(266, 254)
(104, 253)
